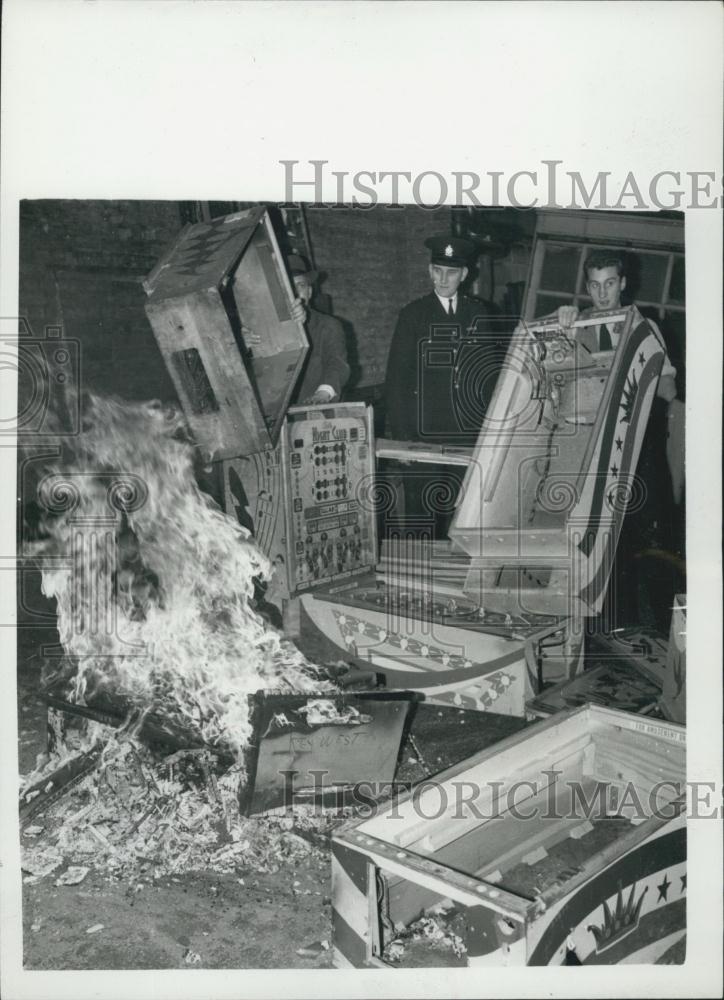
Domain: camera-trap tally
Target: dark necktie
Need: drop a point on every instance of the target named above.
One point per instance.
(451, 308)
(605, 343)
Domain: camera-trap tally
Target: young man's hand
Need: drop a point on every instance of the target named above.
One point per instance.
(666, 389)
(567, 315)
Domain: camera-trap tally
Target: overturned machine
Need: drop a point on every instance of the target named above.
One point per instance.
(219, 302)
(220, 306)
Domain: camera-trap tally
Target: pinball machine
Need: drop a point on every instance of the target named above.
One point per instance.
(594, 874)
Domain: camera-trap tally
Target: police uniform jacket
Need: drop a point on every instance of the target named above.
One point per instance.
(441, 370)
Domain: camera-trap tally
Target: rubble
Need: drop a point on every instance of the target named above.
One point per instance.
(73, 875)
(434, 928)
(129, 816)
(314, 949)
(323, 711)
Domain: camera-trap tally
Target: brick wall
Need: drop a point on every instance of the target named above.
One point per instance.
(373, 261)
(81, 266)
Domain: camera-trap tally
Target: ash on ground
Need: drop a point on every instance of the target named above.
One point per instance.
(138, 813)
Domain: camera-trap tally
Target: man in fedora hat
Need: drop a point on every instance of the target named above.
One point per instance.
(326, 369)
(442, 368)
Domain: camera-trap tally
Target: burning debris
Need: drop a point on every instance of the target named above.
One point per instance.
(323, 711)
(136, 814)
(154, 583)
(154, 587)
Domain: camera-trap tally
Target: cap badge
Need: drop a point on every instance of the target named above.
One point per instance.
(448, 250)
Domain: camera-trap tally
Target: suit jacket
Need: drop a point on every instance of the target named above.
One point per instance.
(326, 362)
(441, 370)
(589, 336)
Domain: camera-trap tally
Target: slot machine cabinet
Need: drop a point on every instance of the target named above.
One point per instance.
(219, 304)
(310, 499)
(553, 472)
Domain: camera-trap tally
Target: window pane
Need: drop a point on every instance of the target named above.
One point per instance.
(545, 304)
(648, 273)
(560, 266)
(677, 288)
(673, 327)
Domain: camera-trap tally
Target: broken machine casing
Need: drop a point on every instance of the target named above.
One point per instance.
(554, 470)
(567, 837)
(219, 303)
(309, 748)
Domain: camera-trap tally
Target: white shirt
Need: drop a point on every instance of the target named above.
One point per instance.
(446, 302)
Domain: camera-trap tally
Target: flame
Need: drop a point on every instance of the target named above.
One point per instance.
(153, 582)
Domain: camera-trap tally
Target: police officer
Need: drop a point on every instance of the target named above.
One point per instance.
(442, 367)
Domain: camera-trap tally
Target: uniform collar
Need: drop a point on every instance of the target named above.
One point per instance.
(444, 302)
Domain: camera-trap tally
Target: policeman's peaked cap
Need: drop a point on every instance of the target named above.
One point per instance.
(450, 251)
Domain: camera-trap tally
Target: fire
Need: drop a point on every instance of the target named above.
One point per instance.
(153, 582)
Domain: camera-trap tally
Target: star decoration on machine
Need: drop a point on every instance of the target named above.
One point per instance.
(352, 629)
(621, 914)
(663, 889)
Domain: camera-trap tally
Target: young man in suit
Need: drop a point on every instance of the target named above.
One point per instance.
(442, 367)
(643, 584)
(326, 369)
(605, 283)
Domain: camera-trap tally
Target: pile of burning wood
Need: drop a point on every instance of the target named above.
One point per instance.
(154, 586)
